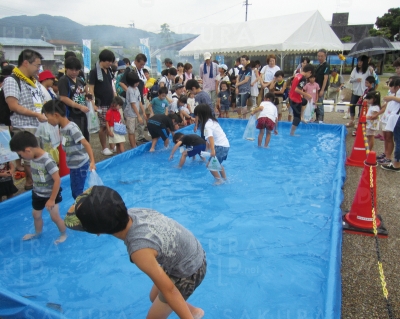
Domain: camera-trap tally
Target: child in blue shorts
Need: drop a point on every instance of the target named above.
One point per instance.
(194, 146)
(213, 133)
(79, 153)
(224, 99)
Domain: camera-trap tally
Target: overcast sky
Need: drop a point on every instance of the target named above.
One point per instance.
(188, 16)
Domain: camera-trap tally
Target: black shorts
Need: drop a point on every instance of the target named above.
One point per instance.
(38, 202)
(188, 285)
(157, 131)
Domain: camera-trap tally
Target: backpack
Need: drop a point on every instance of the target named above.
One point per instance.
(5, 112)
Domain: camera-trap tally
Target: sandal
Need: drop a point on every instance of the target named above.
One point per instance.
(354, 133)
(350, 124)
(19, 175)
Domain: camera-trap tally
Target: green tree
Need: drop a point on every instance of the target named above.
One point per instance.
(345, 39)
(166, 34)
(388, 25)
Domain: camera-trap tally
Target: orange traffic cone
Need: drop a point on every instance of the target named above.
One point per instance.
(62, 164)
(358, 154)
(359, 220)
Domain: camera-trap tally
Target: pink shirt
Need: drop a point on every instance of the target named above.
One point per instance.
(208, 83)
(312, 89)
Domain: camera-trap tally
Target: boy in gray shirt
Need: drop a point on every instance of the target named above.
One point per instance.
(79, 153)
(152, 240)
(46, 183)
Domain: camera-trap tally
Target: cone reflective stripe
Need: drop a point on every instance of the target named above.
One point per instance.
(360, 215)
(62, 165)
(358, 154)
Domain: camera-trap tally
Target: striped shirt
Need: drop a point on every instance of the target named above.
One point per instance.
(25, 99)
(42, 169)
(76, 153)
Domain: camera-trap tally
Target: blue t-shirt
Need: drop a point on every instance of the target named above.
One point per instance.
(245, 87)
(203, 98)
(159, 105)
(224, 97)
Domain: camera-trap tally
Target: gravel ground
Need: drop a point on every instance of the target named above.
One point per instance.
(362, 295)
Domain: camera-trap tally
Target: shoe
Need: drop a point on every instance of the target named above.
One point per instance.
(384, 161)
(106, 152)
(379, 157)
(382, 138)
(354, 133)
(390, 167)
(114, 149)
(350, 124)
(142, 140)
(346, 116)
(378, 136)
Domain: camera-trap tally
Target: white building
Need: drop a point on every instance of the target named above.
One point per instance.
(12, 48)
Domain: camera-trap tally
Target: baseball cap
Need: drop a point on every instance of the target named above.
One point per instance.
(223, 66)
(334, 70)
(99, 210)
(178, 86)
(121, 65)
(46, 75)
(207, 55)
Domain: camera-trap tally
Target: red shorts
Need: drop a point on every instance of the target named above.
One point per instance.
(265, 122)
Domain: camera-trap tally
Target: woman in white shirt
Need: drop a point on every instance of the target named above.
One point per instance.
(357, 78)
(268, 72)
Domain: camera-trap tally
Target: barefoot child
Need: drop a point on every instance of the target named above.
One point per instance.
(159, 246)
(161, 125)
(212, 131)
(113, 115)
(373, 99)
(194, 146)
(78, 151)
(224, 101)
(7, 187)
(46, 183)
(268, 118)
(297, 95)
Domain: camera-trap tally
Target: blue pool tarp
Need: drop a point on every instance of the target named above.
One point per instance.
(269, 254)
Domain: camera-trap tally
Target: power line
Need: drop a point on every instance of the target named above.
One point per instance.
(247, 5)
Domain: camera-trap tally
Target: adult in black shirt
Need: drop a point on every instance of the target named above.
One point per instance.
(72, 93)
(101, 88)
(322, 72)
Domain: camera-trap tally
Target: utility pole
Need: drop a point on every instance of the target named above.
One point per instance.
(247, 4)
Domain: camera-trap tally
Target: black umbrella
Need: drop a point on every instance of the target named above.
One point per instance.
(371, 46)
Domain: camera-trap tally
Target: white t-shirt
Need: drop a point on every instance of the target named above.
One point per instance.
(391, 108)
(219, 79)
(167, 82)
(190, 104)
(213, 129)
(46, 94)
(373, 124)
(269, 110)
(173, 107)
(269, 72)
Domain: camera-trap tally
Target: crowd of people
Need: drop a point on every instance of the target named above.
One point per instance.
(128, 101)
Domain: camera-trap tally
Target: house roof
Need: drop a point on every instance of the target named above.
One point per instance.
(24, 42)
(294, 33)
(62, 42)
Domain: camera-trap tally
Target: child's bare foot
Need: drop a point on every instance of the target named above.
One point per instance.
(61, 239)
(303, 120)
(152, 150)
(31, 236)
(198, 313)
(218, 181)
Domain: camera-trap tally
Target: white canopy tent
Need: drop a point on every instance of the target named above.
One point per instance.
(294, 33)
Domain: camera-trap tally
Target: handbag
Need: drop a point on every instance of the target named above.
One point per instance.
(119, 128)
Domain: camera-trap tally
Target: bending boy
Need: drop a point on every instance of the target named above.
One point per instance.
(152, 240)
